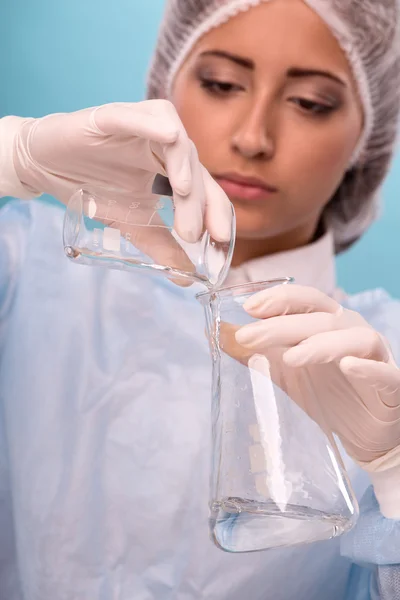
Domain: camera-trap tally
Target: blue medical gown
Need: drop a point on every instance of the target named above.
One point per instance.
(104, 441)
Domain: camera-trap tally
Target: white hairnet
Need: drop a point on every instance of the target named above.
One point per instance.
(368, 33)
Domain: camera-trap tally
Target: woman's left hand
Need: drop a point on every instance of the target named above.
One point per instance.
(353, 373)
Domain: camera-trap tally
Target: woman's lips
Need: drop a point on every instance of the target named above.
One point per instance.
(245, 189)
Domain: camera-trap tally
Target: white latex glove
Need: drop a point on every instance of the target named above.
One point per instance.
(353, 373)
(123, 146)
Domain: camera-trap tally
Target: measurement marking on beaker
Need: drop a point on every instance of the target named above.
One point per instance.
(96, 237)
(111, 239)
(132, 206)
(110, 204)
(151, 218)
(119, 222)
(128, 238)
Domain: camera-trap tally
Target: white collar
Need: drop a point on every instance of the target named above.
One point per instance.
(311, 265)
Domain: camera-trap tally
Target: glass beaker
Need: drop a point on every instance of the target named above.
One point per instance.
(277, 478)
(128, 231)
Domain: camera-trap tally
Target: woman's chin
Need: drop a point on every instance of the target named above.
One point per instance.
(252, 231)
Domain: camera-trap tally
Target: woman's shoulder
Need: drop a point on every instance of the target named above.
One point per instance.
(368, 299)
(381, 310)
(375, 303)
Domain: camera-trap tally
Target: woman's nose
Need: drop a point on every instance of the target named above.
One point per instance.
(253, 139)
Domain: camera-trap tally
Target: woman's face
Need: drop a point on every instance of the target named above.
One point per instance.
(270, 102)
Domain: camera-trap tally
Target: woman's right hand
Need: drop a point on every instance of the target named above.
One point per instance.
(122, 146)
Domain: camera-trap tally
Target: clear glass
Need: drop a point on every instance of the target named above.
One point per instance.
(131, 232)
(277, 478)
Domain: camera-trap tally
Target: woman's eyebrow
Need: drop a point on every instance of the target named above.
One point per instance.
(297, 72)
(239, 60)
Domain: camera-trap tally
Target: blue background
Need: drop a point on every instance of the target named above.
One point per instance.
(58, 55)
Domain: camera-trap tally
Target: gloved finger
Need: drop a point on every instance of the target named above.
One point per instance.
(157, 122)
(289, 299)
(381, 376)
(178, 156)
(219, 215)
(128, 120)
(286, 330)
(230, 346)
(189, 209)
(329, 346)
(177, 161)
(175, 153)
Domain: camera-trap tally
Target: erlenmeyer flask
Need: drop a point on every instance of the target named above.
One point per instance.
(277, 478)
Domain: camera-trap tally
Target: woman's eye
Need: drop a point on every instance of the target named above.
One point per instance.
(220, 88)
(310, 106)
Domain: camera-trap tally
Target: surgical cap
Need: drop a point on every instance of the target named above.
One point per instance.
(368, 33)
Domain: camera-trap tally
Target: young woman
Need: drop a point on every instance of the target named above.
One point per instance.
(292, 106)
